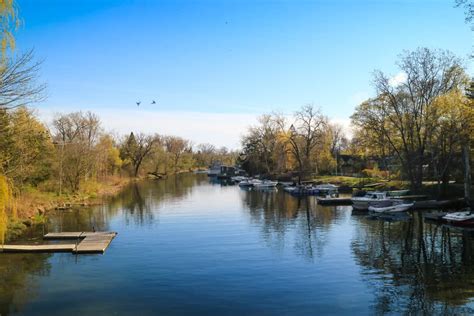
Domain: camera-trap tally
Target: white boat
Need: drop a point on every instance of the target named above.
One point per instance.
(238, 179)
(247, 183)
(459, 216)
(402, 207)
(378, 199)
(327, 189)
(265, 184)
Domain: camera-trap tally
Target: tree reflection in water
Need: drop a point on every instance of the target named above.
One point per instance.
(17, 279)
(415, 266)
(285, 219)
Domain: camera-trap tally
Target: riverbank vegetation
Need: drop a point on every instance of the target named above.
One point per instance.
(414, 130)
(74, 161)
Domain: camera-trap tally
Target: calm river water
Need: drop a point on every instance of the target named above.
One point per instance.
(187, 246)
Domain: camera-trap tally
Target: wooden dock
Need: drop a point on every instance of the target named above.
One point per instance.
(334, 201)
(86, 242)
(38, 248)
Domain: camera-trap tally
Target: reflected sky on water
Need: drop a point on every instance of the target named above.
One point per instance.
(187, 246)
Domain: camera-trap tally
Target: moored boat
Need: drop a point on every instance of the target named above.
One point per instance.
(395, 208)
(460, 218)
(238, 179)
(247, 183)
(265, 184)
(377, 199)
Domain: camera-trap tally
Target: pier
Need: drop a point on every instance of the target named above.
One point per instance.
(85, 242)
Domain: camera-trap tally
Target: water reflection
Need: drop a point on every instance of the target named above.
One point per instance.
(18, 274)
(281, 217)
(413, 266)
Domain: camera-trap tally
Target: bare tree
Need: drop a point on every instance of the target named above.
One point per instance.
(468, 6)
(304, 135)
(403, 114)
(18, 82)
(76, 134)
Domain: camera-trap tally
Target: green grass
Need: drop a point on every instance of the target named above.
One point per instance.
(361, 182)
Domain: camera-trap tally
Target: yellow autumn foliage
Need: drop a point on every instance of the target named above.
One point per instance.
(8, 23)
(5, 197)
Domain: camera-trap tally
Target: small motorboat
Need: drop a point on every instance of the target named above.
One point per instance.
(395, 208)
(246, 183)
(238, 179)
(378, 199)
(265, 184)
(462, 217)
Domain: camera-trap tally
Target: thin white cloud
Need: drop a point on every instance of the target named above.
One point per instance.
(399, 78)
(346, 125)
(358, 97)
(220, 129)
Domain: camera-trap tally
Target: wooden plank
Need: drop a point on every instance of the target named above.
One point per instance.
(74, 235)
(38, 248)
(95, 243)
(66, 235)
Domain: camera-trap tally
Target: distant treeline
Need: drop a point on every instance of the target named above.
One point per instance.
(76, 149)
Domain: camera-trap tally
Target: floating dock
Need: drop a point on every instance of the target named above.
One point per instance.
(334, 201)
(86, 242)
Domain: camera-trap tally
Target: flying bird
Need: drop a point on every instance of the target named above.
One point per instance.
(138, 103)
(153, 102)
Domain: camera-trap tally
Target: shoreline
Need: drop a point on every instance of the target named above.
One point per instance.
(33, 205)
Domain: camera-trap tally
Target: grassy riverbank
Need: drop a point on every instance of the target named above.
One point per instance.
(33, 204)
(430, 188)
(355, 182)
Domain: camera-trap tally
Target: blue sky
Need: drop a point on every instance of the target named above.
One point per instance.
(230, 60)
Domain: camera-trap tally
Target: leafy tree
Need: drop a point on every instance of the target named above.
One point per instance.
(177, 147)
(26, 154)
(136, 148)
